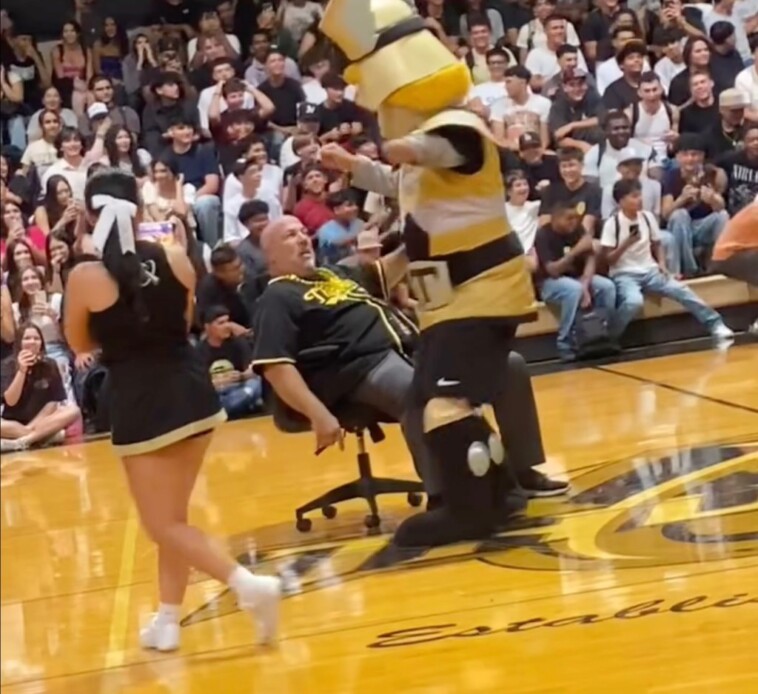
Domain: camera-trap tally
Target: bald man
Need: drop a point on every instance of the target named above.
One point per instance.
(305, 307)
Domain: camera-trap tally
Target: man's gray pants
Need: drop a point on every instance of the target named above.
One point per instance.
(387, 389)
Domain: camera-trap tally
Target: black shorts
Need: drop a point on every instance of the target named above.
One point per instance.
(463, 359)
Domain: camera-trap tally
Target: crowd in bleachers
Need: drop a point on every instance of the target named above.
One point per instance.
(628, 134)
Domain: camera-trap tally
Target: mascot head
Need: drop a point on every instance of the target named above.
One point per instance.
(402, 71)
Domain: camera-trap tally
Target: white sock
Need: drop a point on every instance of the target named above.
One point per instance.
(239, 579)
(169, 614)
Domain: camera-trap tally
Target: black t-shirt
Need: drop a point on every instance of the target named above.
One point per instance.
(331, 118)
(742, 174)
(597, 27)
(233, 354)
(163, 12)
(202, 77)
(619, 95)
(544, 170)
(330, 326)
(673, 185)
(43, 385)
(552, 246)
(719, 143)
(587, 198)
(698, 119)
(285, 98)
(679, 91)
(212, 292)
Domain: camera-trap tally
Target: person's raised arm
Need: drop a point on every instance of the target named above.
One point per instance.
(76, 309)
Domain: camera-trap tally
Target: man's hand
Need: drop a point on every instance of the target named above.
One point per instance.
(327, 430)
(333, 156)
(84, 360)
(707, 194)
(586, 297)
(544, 183)
(238, 330)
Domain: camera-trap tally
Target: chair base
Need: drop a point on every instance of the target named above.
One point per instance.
(365, 487)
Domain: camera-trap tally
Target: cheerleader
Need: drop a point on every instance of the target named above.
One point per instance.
(135, 302)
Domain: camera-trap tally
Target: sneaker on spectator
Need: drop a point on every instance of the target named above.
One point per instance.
(537, 484)
(13, 445)
(722, 333)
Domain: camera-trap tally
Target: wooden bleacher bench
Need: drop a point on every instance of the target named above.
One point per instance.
(716, 290)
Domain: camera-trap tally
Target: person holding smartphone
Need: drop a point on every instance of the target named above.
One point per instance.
(631, 243)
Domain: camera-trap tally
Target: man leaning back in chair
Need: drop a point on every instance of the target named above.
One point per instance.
(306, 307)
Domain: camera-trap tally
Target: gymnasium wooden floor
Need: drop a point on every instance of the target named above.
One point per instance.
(645, 579)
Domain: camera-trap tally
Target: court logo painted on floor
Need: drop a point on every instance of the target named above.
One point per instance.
(695, 505)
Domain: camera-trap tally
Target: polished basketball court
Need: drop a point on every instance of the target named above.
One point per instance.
(644, 579)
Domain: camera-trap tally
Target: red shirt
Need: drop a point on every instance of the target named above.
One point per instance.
(313, 214)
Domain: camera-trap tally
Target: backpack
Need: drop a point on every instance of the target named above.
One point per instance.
(592, 334)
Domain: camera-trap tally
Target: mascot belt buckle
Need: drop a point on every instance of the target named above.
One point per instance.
(430, 283)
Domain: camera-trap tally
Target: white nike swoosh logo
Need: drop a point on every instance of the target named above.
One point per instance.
(444, 382)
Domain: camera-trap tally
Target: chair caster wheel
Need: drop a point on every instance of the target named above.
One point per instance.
(371, 521)
(304, 524)
(415, 499)
(329, 512)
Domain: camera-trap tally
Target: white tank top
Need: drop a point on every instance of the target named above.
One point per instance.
(651, 129)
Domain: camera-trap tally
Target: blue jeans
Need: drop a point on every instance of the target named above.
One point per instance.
(690, 233)
(242, 399)
(670, 251)
(207, 209)
(630, 288)
(565, 294)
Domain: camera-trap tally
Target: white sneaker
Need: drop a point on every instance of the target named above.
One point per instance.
(160, 635)
(722, 333)
(13, 445)
(753, 329)
(260, 598)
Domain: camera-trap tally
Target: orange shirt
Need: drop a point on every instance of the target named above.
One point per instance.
(740, 234)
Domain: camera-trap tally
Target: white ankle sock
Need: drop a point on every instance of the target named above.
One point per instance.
(239, 579)
(169, 614)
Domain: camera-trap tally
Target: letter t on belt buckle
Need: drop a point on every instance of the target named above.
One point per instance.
(430, 283)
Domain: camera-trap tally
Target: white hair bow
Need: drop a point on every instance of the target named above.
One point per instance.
(114, 210)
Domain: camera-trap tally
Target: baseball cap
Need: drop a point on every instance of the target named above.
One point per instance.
(629, 155)
(733, 98)
(97, 110)
(169, 44)
(306, 112)
(368, 240)
(528, 140)
(575, 74)
(690, 142)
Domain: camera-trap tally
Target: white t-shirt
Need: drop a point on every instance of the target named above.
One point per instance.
(234, 42)
(740, 36)
(747, 82)
(234, 230)
(488, 92)
(41, 154)
(607, 171)
(666, 70)
(530, 115)
(638, 258)
(651, 198)
(76, 177)
(536, 32)
(204, 105)
(544, 62)
(523, 220)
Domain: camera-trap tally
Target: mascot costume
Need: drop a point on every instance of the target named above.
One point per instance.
(467, 269)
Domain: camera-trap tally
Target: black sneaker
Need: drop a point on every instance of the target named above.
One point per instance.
(535, 484)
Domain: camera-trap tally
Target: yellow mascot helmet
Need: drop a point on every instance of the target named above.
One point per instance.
(402, 71)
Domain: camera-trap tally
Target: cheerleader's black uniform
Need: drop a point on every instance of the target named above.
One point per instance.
(160, 392)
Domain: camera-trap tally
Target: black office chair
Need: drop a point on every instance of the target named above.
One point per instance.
(355, 419)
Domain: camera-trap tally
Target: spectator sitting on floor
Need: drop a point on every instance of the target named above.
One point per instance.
(631, 243)
(566, 273)
(229, 358)
(34, 399)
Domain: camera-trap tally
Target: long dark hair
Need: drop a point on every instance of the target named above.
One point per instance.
(24, 300)
(63, 236)
(125, 268)
(80, 36)
(50, 202)
(120, 39)
(111, 150)
(45, 367)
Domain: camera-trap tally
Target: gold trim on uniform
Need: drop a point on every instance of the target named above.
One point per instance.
(473, 209)
(201, 426)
